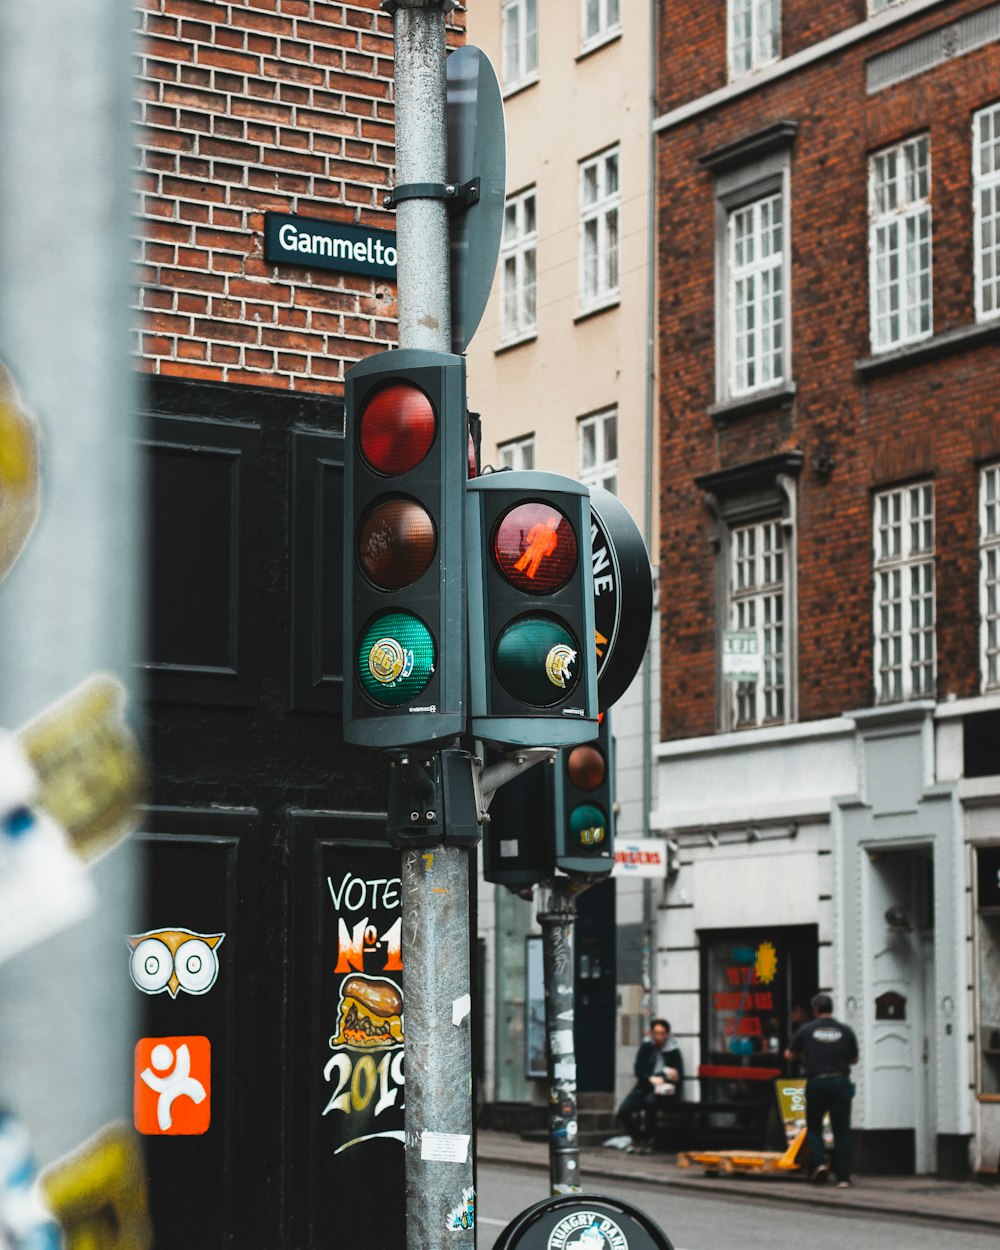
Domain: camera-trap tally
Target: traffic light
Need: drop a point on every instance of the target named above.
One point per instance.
(531, 610)
(583, 814)
(517, 838)
(406, 467)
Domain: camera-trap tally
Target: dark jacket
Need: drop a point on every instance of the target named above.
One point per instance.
(645, 1061)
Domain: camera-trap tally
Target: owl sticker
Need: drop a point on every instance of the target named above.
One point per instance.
(174, 960)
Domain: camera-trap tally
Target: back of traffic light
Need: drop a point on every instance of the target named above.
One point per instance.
(555, 818)
(533, 672)
(406, 466)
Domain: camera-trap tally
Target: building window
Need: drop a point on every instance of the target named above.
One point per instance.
(518, 268)
(876, 6)
(754, 35)
(986, 201)
(520, 42)
(756, 243)
(757, 607)
(753, 507)
(601, 18)
(599, 450)
(600, 201)
(899, 244)
(904, 593)
(989, 576)
(518, 454)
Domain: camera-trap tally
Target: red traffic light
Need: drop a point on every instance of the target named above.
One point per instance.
(586, 767)
(396, 429)
(535, 547)
(396, 543)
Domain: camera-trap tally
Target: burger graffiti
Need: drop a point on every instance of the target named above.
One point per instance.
(366, 1067)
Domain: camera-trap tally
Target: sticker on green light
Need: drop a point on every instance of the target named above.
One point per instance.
(588, 828)
(395, 658)
(536, 660)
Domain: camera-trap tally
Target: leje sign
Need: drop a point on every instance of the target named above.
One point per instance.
(318, 244)
(740, 655)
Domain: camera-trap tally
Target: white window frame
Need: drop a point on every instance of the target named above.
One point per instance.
(989, 577)
(597, 435)
(986, 212)
(903, 607)
(757, 597)
(753, 32)
(519, 453)
(519, 268)
(519, 43)
(900, 244)
(600, 229)
(879, 6)
(607, 22)
(756, 277)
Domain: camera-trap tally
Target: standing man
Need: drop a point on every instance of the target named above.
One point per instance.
(827, 1049)
(659, 1071)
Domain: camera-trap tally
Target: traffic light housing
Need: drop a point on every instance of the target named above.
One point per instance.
(406, 468)
(583, 808)
(533, 668)
(517, 838)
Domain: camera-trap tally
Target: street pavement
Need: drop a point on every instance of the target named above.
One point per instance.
(968, 1204)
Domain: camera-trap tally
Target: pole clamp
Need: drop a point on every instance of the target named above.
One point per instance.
(459, 196)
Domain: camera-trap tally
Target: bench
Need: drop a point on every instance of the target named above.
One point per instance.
(720, 1119)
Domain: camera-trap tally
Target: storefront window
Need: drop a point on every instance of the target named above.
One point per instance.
(756, 987)
(988, 979)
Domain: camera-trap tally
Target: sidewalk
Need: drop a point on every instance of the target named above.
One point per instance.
(963, 1203)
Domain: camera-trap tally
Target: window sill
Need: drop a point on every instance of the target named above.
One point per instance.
(595, 309)
(927, 349)
(597, 42)
(520, 341)
(746, 405)
(515, 88)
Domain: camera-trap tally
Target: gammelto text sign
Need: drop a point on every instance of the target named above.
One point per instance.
(318, 244)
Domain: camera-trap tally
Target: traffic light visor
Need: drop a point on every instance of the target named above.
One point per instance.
(396, 428)
(396, 543)
(535, 547)
(395, 658)
(586, 767)
(537, 660)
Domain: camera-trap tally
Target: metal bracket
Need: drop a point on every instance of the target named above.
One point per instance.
(459, 196)
(433, 799)
(446, 6)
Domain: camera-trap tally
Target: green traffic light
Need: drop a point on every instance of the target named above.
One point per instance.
(395, 658)
(536, 660)
(588, 828)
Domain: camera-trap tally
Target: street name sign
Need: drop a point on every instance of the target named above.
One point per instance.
(318, 244)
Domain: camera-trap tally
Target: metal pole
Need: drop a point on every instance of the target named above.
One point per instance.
(557, 916)
(423, 272)
(436, 974)
(69, 607)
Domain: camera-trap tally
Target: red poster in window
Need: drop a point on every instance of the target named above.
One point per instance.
(173, 1086)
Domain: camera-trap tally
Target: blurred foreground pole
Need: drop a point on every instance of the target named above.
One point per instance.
(69, 607)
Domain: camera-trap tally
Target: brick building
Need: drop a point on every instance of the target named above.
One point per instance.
(247, 109)
(830, 440)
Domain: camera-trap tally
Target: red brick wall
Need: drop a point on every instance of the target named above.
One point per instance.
(264, 105)
(932, 416)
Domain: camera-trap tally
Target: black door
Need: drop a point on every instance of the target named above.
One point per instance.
(596, 989)
(258, 815)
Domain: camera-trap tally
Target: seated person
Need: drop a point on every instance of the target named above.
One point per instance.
(659, 1071)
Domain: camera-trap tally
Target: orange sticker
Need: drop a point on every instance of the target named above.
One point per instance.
(173, 1086)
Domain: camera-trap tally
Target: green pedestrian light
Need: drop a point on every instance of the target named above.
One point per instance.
(537, 660)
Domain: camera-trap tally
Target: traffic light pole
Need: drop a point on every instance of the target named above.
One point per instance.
(557, 916)
(435, 878)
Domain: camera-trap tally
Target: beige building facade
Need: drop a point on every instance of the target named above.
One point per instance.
(561, 370)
